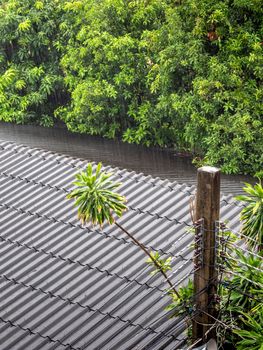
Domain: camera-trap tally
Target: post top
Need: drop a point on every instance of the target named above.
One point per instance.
(208, 169)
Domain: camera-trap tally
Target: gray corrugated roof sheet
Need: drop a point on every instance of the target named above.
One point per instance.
(65, 286)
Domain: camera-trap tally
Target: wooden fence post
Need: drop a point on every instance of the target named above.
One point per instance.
(205, 279)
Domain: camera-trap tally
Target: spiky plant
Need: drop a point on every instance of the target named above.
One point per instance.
(97, 202)
(95, 197)
(252, 215)
(252, 336)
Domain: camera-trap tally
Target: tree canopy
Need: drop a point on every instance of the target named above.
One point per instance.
(185, 74)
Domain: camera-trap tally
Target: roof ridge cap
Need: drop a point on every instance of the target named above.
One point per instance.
(165, 183)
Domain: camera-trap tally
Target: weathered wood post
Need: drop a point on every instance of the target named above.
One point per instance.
(205, 279)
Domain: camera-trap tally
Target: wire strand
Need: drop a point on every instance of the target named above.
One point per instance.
(247, 251)
(243, 277)
(245, 264)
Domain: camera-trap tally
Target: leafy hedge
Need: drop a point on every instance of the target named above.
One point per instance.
(184, 74)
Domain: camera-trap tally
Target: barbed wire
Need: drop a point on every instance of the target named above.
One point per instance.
(215, 319)
(227, 238)
(242, 236)
(174, 257)
(178, 269)
(194, 344)
(247, 251)
(179, 327)
(183, 250)
(260, 285)
(244, 263)
(181, 306)
(181, 237)
(227, 285)
(178, 282)
(192, 272)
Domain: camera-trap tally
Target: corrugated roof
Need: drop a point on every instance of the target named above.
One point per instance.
(65, 286)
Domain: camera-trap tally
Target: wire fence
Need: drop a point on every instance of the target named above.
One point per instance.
(235, 263)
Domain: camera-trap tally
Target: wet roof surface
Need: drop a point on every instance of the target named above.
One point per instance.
(166, 164)
(65, 286)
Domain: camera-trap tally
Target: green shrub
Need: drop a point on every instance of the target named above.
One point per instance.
(183, 74)
(31, 83)
(106, 63)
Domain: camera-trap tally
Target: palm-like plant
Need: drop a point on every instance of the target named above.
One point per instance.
(246, 284)
(98, 202)
(252, 215)
(95, 197)
(252, 336)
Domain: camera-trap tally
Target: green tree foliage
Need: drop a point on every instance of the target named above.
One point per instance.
(209, 78)
(184, 74)
(107, 61)
(31, 83)
(181, 74)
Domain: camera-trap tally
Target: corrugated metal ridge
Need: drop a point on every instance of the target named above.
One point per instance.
(183, 244)
(43, 335)
(56, 188)
(173, 209)
(15, 334)
(170, 212)
(63, 189)
(93, 292)
(52, 295)
(89, 229)
(21, 190)
(50, 217)
(69, 260)
(79, 164)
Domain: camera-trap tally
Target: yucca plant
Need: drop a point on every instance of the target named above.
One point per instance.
(241, 294)
(252, 335)
(246, 284)
(95, 197)
(98, 203)
(252, 215)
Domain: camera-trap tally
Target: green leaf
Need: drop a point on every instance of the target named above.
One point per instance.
(25, 25)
